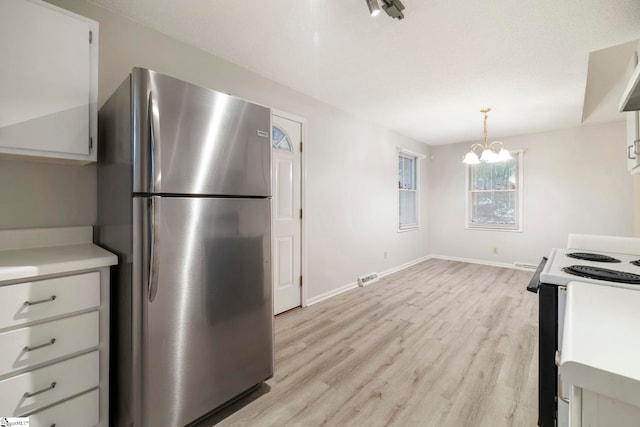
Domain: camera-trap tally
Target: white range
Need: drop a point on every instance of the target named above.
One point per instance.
(590, 262)
(599, 378)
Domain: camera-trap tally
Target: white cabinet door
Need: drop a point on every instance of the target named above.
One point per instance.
(81, 411)
(29, 302)
(34, 345)
(633, 141)
(633, 127)
(46, 80)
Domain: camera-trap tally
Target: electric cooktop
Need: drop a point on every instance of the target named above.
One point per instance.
(604, 268)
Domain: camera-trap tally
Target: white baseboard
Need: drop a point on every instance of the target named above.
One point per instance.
(473, 261)
(354, 285)
(403, 266)
(331, 293)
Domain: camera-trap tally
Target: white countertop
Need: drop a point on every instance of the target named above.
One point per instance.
(601, 340)
(37, 252)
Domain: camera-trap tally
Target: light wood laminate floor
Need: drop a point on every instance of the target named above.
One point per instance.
(442, 343)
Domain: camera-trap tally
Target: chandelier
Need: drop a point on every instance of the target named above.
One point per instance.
(490, 153)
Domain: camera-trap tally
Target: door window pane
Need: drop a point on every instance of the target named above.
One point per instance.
(280, 140)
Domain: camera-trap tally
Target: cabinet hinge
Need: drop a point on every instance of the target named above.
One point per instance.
(90, 143)
(300, 281)
(90, 37)
(300, 213)
(301, 146)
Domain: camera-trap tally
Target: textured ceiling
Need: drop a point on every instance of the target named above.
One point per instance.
(426, 76)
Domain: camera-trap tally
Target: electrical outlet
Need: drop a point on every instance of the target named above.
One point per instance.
(385, 254)
(495, 250)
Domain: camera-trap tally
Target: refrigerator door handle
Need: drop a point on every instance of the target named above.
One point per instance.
(153, 246)
(154, 141)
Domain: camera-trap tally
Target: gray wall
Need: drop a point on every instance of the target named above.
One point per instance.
(36, 194)
(575, 181)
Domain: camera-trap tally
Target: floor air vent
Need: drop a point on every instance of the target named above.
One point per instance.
(368, 279)
(524, 266)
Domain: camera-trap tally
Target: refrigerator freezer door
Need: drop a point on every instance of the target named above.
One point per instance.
(198, 141)
(207, 322)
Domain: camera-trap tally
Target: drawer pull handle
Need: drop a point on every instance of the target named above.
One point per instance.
(35, 393)
(52, 342)
(28, 303)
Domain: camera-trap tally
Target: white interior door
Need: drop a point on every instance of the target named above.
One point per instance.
(286, 213)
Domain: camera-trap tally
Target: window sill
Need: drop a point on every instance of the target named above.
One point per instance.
(489, 228)
(508, 190)
(404, 230)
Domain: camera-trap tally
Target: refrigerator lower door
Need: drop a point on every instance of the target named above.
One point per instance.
(207, 315)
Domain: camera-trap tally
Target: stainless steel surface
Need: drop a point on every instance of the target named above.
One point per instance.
(211, 143)
(154, 139)
(42, 301)
(207, 336)
(52, 341)
(117, 232)
(560, 394)
(35, 393)
(154, 225)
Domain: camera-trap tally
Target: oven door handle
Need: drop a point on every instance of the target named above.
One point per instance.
(534, 283)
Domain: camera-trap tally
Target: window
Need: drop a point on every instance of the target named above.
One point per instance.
(494, 195)
(279, 140)
(408, 194)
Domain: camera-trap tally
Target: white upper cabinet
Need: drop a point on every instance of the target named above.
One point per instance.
(48, 82)
(633, 127)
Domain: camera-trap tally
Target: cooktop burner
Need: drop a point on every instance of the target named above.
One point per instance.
(593, 257)
(599, 273)
(636, 263)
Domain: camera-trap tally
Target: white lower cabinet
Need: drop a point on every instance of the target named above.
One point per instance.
(42, 343)
(54, 326)
(54, 337)
(81, 411)
(36, 300)
(32, 391)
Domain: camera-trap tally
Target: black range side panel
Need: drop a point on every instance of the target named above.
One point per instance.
(547, 369)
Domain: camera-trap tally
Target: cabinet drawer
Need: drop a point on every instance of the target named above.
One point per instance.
(48, 385)
(81, 411)
(43, 299)
(28, 346)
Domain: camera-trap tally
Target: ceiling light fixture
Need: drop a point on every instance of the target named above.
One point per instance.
(374, 7)
(490, 153)
(393, 8)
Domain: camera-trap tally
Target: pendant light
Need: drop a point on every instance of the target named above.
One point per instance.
(490, 153)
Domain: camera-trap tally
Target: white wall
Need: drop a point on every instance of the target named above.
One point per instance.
(351, 167)
(575, 181)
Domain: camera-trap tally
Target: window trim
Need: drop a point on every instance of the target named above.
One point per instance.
(519, 201)
(416, 156)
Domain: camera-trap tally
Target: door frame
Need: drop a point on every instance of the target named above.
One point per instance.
(303, 204)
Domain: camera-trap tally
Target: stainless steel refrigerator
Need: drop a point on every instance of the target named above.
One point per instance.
(184, 185)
